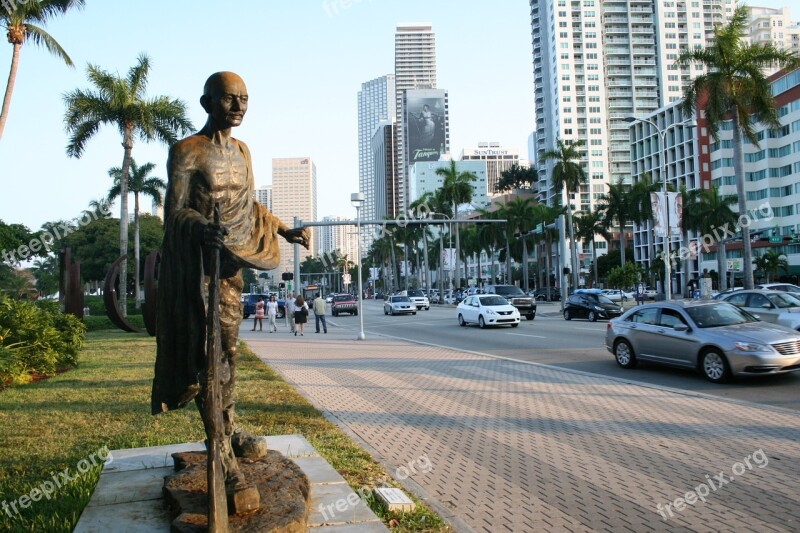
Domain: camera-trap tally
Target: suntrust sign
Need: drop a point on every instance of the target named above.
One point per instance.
(490, 152)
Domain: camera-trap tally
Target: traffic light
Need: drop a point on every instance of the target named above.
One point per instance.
(281, 285)
(287, 276)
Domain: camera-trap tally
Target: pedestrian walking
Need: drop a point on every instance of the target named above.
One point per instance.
(290, 311)
(300, 315)
(319, 312)
(259, 316)
(272, 314)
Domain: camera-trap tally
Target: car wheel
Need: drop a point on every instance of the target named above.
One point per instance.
(515, 325)
(391, 311)
(715, 367)
(540, 298)
(428, 308)
(591, 316)
(385, 312)
(481, 322)
(355, 313)
(567, 315)
(461, 321)
(335, 313)
(414, 313)
(529, 317)
(623, 353)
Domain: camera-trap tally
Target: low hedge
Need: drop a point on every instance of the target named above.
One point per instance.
(36, 340)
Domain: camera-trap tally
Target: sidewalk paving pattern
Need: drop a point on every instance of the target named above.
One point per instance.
(519, 447)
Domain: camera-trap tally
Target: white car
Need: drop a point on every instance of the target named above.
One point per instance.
(398, 305)
(487, 310)
(785, 287)
(418, 297)
(778, 307)
(618, 295)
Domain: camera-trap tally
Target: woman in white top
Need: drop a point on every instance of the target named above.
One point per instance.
(272, 312)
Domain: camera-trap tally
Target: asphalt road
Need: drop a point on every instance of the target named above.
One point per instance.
(551, 340)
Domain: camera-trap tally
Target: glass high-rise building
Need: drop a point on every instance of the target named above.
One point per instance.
(294, 187)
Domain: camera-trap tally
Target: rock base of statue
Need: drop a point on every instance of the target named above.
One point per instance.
(282, 486)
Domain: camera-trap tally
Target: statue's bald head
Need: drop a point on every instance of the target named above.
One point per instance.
(220, 82)
(225, 99)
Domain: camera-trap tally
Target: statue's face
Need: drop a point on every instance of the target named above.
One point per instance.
(227, 102)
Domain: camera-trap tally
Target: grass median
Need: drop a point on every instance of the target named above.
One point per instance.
(60, 426)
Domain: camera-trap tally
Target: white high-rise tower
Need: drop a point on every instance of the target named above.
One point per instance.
(414, 68)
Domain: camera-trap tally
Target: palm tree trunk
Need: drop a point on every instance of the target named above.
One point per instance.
(738, 171)
(127, 144)
(525, 264)
(722, 275)
(458, 247)
(508, 261)
(594, 263)
(622, 242)
(425, 259)
(651, 238)
(548, 251)
(493, 270)
(572, 248)
(394, 265)
(138, 298)
(12, 78)
(687, 265)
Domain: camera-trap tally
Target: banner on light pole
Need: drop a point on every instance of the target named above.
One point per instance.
(673, 204)
(449, 259)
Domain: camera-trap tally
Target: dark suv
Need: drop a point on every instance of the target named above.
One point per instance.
(590, 305)
(525, 304)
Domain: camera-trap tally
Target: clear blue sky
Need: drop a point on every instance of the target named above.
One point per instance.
(303, 61)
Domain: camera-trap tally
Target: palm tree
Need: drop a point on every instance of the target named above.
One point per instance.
(547, 215)
(589, 224)
(735, 87)
(490, 236)
(521, 219)
(641, 209)
(457, 189)
(515, 178)
(568, 175)
(122, 102)
(20, 20)
(138, 183)
(615, 206)
(691, 218)
(424, 232)
(771, 262)
(717, 213)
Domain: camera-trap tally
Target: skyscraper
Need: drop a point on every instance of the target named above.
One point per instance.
(376, 104)
(294, 186)
(595, 63)
(338, 238)
(498, 160)
(414, 68)
(263, 195)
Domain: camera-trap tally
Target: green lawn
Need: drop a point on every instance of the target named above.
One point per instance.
(52, 425)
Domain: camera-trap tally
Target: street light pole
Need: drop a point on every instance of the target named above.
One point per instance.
(357, 199)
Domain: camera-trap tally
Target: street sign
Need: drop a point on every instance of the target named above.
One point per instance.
(734, 265)
(775, 239)
(346, 279)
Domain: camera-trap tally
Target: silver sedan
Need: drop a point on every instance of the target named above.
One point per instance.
(717, 338)
(398, 305)
(778, 307)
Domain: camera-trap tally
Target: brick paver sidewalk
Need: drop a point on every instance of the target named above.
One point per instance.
(508, 446)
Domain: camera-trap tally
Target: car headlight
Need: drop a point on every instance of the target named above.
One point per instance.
(751, 347)
(598, 308)
(490, 312)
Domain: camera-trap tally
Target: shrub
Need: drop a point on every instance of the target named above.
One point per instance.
(36, 339)
(97, 323)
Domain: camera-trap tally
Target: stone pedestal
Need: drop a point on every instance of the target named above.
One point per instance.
(282, 486)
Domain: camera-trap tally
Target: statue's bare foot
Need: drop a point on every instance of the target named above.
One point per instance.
(248, 446)
(242, 496)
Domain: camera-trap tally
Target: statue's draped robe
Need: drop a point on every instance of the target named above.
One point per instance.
(182, 284)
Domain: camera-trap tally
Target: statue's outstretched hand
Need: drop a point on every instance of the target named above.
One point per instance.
(298, 235)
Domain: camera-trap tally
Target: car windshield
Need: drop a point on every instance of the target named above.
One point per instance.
(342, 298)
(599, 298)
(493, 300)
(396, 299)
(783, 300)
(416, 292)
(723, 314)
(508, 290)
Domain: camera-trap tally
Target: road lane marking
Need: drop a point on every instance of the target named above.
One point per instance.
(526, 335)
